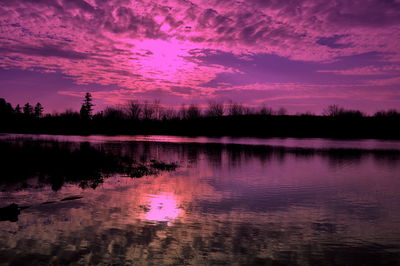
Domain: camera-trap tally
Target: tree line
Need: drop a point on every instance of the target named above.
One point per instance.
(27, 110)
(214, 119)
(136, 110)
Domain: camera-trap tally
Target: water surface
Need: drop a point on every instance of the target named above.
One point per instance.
(230, 202)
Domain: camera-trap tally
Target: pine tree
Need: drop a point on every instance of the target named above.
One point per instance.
(38, 110)
(28, 109)
(18, 109)
(87, 107)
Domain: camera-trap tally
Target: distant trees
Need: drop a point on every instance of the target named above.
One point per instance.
(148, 111)
(215, 109)
(6, 108)
(333, 110)
(70, 114)
(337, 111)
(134, 110)
(266, 110)
(86, 111)
(170, 114)
(282, 111)
(388, 113)
(38, 110)
(18, 110)
(193, 112)
(28, 110)
(235, 109)
(114, 113)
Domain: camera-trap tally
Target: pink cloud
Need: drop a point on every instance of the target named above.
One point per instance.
(155, 45)
(368, 70)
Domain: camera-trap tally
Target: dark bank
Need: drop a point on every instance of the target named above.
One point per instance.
(218, 119)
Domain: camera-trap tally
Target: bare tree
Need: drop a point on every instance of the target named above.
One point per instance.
(282, 111)
(333, 110)
(114, 113)
(215, 109)
(157, 107)
(148, 110)
(248, 111)
(183, 112)
(169, 114)
(134, 110)
(264, 110)
(193, 112)
(235, 109)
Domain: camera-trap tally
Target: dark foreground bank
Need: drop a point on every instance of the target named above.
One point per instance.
(245, 125)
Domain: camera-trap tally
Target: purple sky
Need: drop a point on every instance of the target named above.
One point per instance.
(301, 55)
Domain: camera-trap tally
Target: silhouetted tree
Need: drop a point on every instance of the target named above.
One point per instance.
(157, 109)
(6, 108)
(134, 110)
(266, 110)
(69, 114)
(336, 111)
(170, 114)
(388, 113)
(98, 115)
(28, 109)
(352, 113)
(18, 110)
(148, 110)
(38, 110)
(333, 110)
(235, 109)
(114, 113)
(282, 111)
(183, 112)
(193, 112)
(215, 109)
(87, 107)
(248, 111)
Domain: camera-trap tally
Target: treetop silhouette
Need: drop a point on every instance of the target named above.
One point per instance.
(86, 111)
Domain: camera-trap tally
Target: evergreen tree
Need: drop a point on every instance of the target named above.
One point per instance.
(38, 110)
(28, 109)
(87, 107)
(6, 109)
(18, 109)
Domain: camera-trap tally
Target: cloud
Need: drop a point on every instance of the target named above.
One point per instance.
(144, 45)
(368, 70)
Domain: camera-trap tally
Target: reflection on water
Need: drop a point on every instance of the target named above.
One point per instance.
(225, 205)
(313, 143)
(162, 208)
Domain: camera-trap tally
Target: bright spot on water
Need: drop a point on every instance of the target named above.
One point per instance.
(163, 208)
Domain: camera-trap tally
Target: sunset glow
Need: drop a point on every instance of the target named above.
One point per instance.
(162, 208)
(301, 55)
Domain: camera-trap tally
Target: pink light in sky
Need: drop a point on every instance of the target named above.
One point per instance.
(197, 50)
(166, 61)
(163, 208)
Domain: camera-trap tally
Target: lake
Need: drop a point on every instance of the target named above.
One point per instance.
(148, 200)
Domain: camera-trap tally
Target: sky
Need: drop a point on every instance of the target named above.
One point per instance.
(300, 55)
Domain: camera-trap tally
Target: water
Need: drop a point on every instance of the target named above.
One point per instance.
(269, 202)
